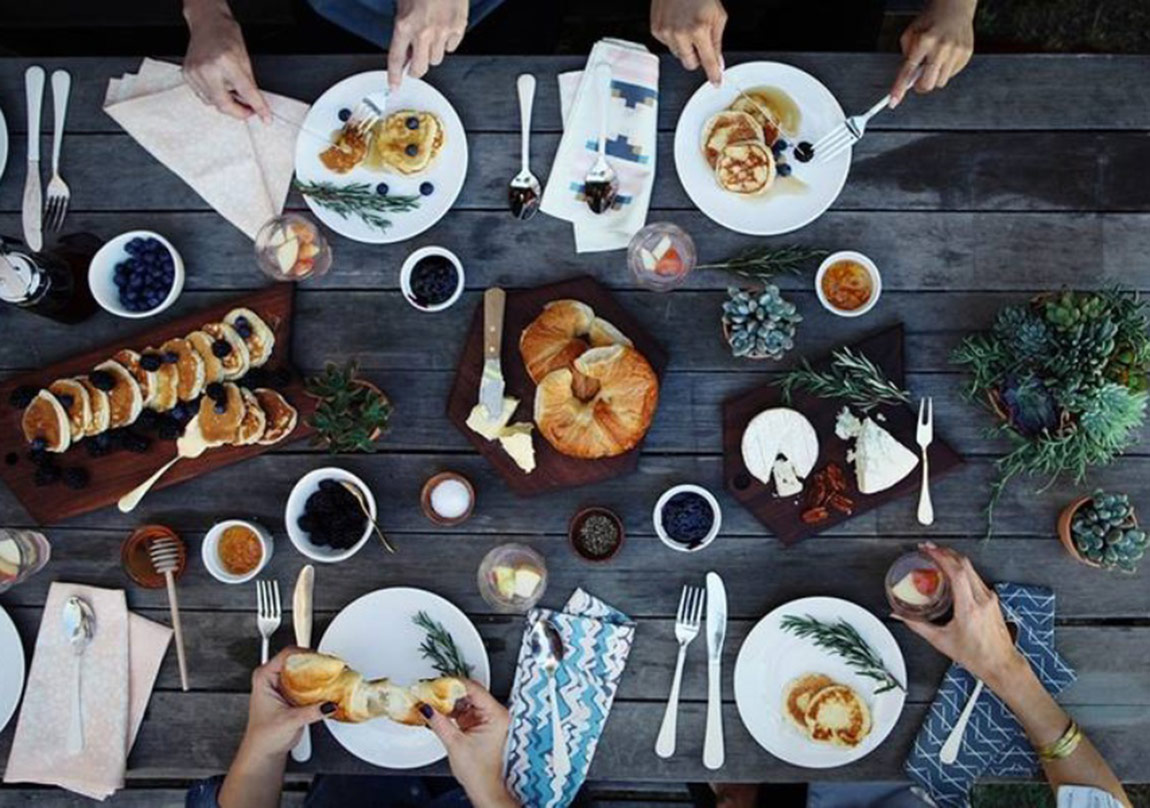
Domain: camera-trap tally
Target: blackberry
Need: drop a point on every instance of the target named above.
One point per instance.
(256, 377)
(66, 401)
(22, 396)
(170, 429)
(151, 361)
(76, 478)
(97, 450)
(149, 419)
(39, 444)
(216, 392)
(135, 442)
(11, 458)
(221, 348)
(47, 474)
(39, 457)
(281, 377)
(102, 380)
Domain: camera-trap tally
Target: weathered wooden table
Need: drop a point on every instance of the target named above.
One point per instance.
(1028, 173)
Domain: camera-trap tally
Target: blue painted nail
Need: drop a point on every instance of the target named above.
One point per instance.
(328, 707)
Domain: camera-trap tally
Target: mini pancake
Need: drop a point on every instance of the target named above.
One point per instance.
(98, 400)
(253, 422)
(797, 697)
(237, 362)
(213, 369)
(124, 400)
(838, 716)
(166, 393)
(281, 416)
(393, 137)
(725, 128)
(346, 152)
(219, 428)
(189, 368)
(255, 333)
(758, 106)
(46, 419)
(74, 399)
(146, 379)
(746, 168)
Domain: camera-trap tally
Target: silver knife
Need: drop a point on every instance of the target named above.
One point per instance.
(713, 751)
(301, 610)
(491, 385)
(33, 209)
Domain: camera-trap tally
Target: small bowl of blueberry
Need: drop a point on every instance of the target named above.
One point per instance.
(136, 274)
(687, 518)
(431, 278)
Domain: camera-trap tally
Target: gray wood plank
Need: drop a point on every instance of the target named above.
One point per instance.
(1060, 91)
(132, 797)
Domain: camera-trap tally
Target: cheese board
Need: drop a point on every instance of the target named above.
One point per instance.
(109, 475)
(553, 469)
(776, 451)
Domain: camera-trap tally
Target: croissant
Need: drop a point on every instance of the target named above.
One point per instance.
(312, 678)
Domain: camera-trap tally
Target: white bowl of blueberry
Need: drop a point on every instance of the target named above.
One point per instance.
(687, 518)
(136, 274)
(431, 278)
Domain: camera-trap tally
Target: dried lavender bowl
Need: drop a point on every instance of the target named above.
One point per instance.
(577, 543)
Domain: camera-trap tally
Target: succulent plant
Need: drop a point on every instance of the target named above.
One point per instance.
(760, 325)
(351, 414)
(1105, 532)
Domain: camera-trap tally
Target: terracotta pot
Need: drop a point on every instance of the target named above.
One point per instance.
(1064, 520)
(727, 342)
(368, 385)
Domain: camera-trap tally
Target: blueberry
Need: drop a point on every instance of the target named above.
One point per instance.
(243, 327)
(412, 122)
(39, 443)
(171, 357)
(121, 281)
(76, 478)
(411, 150)
(39, 457)
(104, 439)
(47, 474)
(426, 188)
(170, 429)
(180, 412)
(151, 361)
(783, 169)
(382, 189)
(136, 443)
(221, 348)
(133, 246)
(96, 450)
(121, 269)
(344, 114)
(216, 392)
(781, 145)
(148, 419)
(221, 407)
(22, 396)
(66, 401)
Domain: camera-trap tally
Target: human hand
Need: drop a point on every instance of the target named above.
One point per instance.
(693, 30)
(474, 745)
(216, 65)
(976, 637)
(941, 41)
(274, 725)
(424, 32)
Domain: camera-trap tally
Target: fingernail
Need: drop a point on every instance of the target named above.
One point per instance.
(425, 710)
(328, 707)
(930, 544)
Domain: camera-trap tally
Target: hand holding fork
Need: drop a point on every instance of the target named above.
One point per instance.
(686, 629)
(850, 131)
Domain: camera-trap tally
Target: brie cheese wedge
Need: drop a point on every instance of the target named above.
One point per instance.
(478, 422)
(780, 443)
(880, 460)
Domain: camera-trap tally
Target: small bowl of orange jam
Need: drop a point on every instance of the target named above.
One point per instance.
(235, 551)
(848, 284)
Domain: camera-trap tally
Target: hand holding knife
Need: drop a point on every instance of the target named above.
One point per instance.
(713, 748)
(301, 612)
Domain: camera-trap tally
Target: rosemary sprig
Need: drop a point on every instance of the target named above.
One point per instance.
(852, 376)
(439, 647)
(843, 639)
(357, 199)
(762, 263)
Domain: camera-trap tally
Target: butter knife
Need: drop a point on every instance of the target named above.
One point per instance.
(713, 750)
(491, 386)
(33, 201)
(301, 610)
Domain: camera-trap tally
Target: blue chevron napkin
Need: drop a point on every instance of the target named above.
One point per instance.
(994, 744)
(597, 639)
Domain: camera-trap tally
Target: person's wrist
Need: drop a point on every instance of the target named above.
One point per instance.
(256, 746)
(967, 7)
(1006, 672)
(490, 793)
(198, 11)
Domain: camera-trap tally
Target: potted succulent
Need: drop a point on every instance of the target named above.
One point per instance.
(759, 324)
(1065, 376)
(352, 413)
(1102, 531)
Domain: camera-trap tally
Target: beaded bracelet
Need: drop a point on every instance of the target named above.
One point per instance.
(1063, 747)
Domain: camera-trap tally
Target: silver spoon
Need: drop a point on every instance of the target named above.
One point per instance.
(949, 752)
(355, 492)
(600, 186)
(523, 195)
(79, 624)
(547, 648)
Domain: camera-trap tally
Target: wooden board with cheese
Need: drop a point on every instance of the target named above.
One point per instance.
(775, 452)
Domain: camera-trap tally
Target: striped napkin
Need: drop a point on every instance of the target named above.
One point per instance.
(994, 744)
(631, 143)
(597, 640)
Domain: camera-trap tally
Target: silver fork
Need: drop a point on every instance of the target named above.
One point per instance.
(850, 131)
(268, 613)
(58, 192)
(365, 116)
(924, 435)
(686, 629)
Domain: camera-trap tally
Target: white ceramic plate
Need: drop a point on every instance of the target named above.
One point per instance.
(446, 173)
(773, 213)
(11, 668)
(770, 658)
(3, 144)
(376, 636)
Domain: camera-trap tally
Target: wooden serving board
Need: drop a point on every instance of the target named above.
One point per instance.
(117, 473)
(553, 471)
(782, 514)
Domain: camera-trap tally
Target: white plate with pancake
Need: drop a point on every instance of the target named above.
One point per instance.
(771, 658)
(446, 172)
(785, 206)
(11, 668)
(375, 635)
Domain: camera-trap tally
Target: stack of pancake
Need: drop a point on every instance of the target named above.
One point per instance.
(737, 146)
(406, 141)
(199, 366)
(825, 711)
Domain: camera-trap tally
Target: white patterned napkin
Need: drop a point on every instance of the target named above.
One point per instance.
(243, 169)
(119, 672)
(631, 144)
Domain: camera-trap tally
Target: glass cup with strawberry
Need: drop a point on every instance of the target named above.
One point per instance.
(291, 248)
(918, 589)
(661, 256)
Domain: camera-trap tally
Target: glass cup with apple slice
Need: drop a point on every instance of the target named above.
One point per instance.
(512, 578)
(22, 554)
(291, 248)
(918, 589)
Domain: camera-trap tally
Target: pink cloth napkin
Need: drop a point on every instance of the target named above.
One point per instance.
(119, 671)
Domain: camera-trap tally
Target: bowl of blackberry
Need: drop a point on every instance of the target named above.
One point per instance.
(136, 274)
(324, 520)
(431, 278)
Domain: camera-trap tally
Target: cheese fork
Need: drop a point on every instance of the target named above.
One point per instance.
(923, 436)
